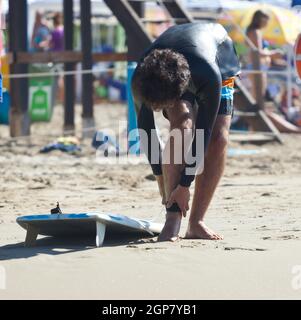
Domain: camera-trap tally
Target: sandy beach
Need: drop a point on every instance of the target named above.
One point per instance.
(257, 208)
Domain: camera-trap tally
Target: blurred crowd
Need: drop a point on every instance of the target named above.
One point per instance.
(47, 37)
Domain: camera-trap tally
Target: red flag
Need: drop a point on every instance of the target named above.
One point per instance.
(298, 56)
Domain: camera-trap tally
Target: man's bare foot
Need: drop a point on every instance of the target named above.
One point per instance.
(171, 229)
(199, 230)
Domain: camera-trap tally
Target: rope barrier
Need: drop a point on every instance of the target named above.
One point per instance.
(61, 73)
(94, 71)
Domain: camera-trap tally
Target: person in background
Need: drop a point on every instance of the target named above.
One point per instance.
(57, 45)
(57, 34)
(292, 113)
(254, 32)
(41, 36)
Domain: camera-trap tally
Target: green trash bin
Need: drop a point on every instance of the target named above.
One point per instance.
(41, 94)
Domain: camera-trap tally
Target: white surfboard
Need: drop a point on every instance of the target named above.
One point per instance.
(83, 224)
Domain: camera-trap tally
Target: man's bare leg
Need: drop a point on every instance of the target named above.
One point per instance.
(170, 231)
(180, 117)
(206, 183)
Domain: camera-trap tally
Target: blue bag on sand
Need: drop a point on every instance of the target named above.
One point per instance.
(65, 144)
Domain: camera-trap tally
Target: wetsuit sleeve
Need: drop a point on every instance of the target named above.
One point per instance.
(208, 99)
(149, 140)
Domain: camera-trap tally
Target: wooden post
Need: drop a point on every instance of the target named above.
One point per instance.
(138, 7)
(69, 79)
(258, 79)
(129, 19)
(130, 38)
(18, 41)
(176, 10)
(87, 63)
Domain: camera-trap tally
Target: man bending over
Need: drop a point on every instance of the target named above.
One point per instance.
(188, 73)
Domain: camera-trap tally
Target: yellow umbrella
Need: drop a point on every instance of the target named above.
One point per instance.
(283, 28)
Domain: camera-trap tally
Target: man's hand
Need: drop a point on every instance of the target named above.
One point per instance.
(181, 196)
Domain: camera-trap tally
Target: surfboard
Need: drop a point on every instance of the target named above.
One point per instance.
(85, 224)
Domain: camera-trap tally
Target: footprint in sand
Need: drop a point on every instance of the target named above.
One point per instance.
(146, 248)
(143, 241)
(288, 237)
(150, 177)
(285, 237)
(244, 249)
(192, 244)
(154, 248)
(266, 194)
(132, 246)
(36, 187)
(139, 242)
(188, 246)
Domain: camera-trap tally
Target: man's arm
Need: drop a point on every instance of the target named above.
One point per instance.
(149, 139)
(150, 144)
(146, 123)
(208, 98)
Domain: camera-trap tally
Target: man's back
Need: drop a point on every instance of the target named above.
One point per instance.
(201, 43)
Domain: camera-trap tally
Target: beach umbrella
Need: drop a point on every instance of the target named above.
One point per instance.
(283, 28)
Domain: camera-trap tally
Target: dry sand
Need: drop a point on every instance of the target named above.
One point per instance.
(257, 208)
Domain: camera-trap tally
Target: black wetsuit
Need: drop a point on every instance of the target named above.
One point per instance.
(212, 58)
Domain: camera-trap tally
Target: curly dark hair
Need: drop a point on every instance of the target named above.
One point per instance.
(161, 78)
